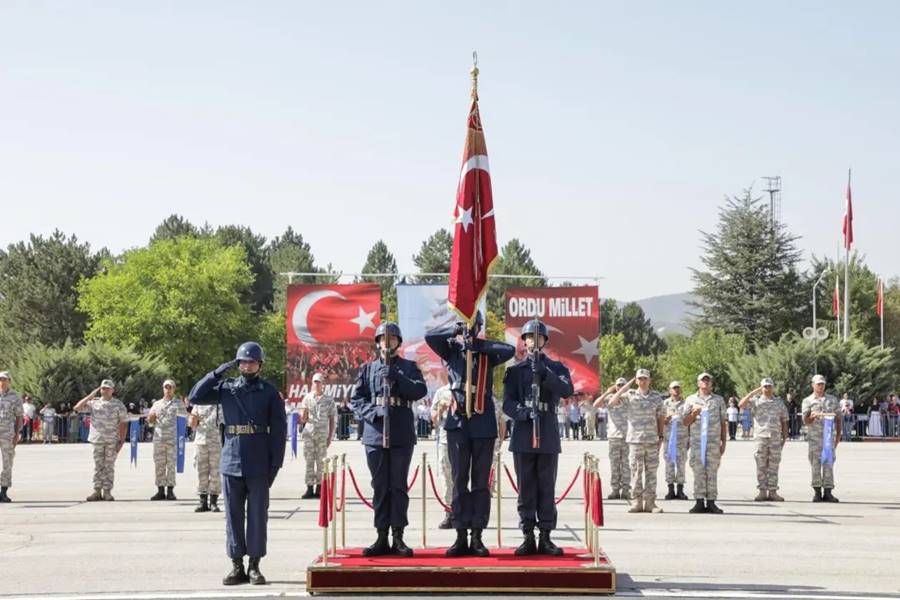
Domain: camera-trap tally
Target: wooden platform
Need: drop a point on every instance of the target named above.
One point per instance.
(430, 571)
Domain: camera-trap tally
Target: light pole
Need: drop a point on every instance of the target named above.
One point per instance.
(816, 285)
(814, 333)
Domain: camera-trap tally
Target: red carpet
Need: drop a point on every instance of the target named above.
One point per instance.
(430, 571)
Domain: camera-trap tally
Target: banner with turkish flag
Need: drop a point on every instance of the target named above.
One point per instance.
(330, 330)
(474, 230)
(570, 314)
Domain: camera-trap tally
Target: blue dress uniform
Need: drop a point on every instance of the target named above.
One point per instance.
(536, 467)
(255, 428)
(470, 441)
(389, 467)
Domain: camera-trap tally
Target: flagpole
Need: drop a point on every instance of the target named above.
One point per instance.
(847, 242)
(881, 308)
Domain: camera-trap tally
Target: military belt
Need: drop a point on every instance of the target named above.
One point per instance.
(245, 429)
(543, 406)
(393, 402)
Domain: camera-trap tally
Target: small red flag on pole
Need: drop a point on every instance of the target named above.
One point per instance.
(879, 300)
(848, 218)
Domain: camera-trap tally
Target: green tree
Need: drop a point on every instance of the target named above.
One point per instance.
(66, 373)
(380, 260)
(514, 259)
(270, 331)
(175, 226)
(618, 358)
(864, 323)
(709, 350)
(750, 284)
(290, 253)
(434, 256)
(260, 295)
(631, 321)
(38, 300)
(180, 298)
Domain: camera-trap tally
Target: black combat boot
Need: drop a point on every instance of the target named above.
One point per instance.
(237, 574)
(712, 508)
(670, 495)
(95, 496)
(613, 495)
(160, 493)
(214, 502)
(317, 492)
(170, 494)
(398, 546)
(528, 545)
(3, 496)
(203, 507)
(827, 497)
(546, 546)
(699, 506)
(447, 523)
(309, 493)
(476, 546)
(253, 574)
(381, 546)
(679, 492)
(461, 546)
(817, 494)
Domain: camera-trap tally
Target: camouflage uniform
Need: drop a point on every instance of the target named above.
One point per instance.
(617, 427)
(768, 416)
(822, 474)
(442, 400)
(675, 471)
(643, 412)
(106, 416)
(208, 449)
(10, 410)
(165, 438)
(706, 477)
(322, 412)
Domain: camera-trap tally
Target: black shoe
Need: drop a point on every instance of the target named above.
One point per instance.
(160, 494)
(817, 495)
(461, 546)
(381, 546)
(712, 508)
(699, 506)
(671, 493)
(317, 493)
(398, 546)
(679, 492)
(237, 574)
(309, 493)
(476, 546)
(827, 497)
(214, 502)
(204, 506)
(546, 546)
(3, 496)
(447, 523)
(253, 574)
(528, 546)
(170, 494)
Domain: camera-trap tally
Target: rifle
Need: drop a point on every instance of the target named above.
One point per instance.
(386, 395)
(535, 399)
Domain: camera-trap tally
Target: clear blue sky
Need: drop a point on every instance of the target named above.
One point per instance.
(614, 129)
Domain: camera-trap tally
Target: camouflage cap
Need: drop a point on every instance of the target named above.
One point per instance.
(5, 375)
(107, 383)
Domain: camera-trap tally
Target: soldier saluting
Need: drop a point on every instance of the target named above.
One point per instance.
(532, 389)
(385, 389)
(471, 425)
(255, 431)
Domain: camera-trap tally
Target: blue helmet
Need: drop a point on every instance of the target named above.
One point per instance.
(535, 326)
(390, 328)
(250, 351)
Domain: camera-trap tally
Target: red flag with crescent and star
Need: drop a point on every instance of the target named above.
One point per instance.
(475, 232)
(330, 330)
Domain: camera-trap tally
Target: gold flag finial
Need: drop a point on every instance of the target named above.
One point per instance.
(474, 73)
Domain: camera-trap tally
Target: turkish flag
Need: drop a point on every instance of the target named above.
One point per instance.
(848, 217)
(329, 314)
(836, 299)
(879, 300)
(475, 231)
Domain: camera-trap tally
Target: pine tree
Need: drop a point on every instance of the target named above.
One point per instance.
(514, 259)
(434, 256)
(380, 260)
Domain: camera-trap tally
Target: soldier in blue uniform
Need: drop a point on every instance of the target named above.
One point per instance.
(388, 461)
(536, 458)
(470, 440)
(255, 428)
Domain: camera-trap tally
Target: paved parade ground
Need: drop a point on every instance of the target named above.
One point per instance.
(55, 543)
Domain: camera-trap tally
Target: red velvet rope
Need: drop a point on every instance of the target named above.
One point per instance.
(586, 490)
(356, 487)
(343, 500)
(597, 512)
(512, 481)
(435, 490)
(413, 482)
(571, 485)
(331, 500)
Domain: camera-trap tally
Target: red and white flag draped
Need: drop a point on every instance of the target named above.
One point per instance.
(475, 231)
(848, 218)
(879, 299)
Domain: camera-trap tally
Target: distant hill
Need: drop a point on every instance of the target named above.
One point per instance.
(669, 313)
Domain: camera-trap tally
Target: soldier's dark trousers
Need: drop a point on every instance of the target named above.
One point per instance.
(245, 497)
(389, 469)
(536, 480)
(470, 460)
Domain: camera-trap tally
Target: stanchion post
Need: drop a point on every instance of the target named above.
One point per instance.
(499, 481)
(343, 503)
(423, 473)
(324, 529)
(595, 539)
(332, 491)
(585, 463)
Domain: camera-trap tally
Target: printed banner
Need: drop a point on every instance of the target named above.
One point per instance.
(420, 308)
(571, 316)
(330, 329)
